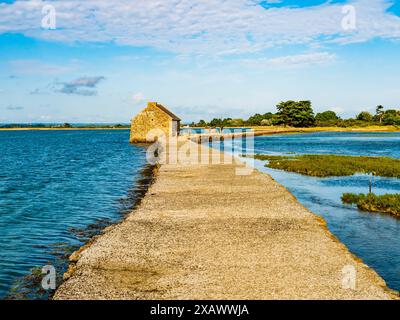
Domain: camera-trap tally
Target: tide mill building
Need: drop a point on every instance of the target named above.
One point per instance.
(154, 117)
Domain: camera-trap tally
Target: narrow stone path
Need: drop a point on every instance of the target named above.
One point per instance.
(203, 232)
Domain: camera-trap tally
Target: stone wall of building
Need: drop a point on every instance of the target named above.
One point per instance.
(147, 120)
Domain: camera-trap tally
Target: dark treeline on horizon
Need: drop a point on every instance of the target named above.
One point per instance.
(62, 125)
(300, 114)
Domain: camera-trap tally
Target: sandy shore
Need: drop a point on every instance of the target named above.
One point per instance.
(329, 129)
(257, 130)
(203, 232)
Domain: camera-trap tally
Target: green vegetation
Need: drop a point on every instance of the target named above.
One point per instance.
(266, 119)
(364, 116)
(296, 114)
(379, 112)
(328, 119)
(29, 287)
(391, 117)
(326, 116)
(388, 203)
(333, 165)
(300, 114)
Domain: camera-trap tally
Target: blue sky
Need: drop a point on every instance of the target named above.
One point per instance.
(201, 59)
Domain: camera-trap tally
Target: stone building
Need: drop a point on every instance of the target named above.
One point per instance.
(153, 118)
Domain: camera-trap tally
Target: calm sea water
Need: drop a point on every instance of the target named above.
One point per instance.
(52, 183)
(373, 237)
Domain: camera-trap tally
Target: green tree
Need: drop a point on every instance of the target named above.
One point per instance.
(216, 122)
(379, 113)
(268, 116)
(326, 116)
(364, 116)
(295, 113)
(255, 120)
(236, 123)
(391, 117)
(226, 121)
(201, 123)
(266, 122)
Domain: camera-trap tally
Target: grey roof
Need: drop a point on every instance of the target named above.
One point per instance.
(164, 109)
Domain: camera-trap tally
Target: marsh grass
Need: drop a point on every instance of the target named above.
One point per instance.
(388, 203)
(333, 165)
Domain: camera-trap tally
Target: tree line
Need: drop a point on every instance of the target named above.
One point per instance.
(301, 114)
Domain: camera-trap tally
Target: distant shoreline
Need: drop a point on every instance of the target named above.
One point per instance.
(64, 129)
(266, 129)
(329, 129)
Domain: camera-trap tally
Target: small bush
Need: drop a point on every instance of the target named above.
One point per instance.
(387, 203)
(333, 165)
(351, 198)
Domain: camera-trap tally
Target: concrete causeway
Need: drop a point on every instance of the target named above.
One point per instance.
(203, 232)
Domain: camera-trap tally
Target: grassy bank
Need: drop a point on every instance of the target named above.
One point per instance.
(388, 203)
(374, 128)
(333, 165)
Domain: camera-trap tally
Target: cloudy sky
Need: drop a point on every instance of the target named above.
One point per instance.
(101, 60)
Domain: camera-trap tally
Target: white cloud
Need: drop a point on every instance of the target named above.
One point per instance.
(293, 61)
(83, 86)
(138, 98)
(212, 26)
(45, 117)
(14, 108)
(36, 67)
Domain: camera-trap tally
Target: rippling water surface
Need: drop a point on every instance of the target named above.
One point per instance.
(53, 182)
(373, 237)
